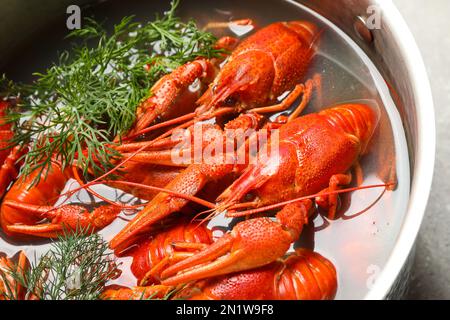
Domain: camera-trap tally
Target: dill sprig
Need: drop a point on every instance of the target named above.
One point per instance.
(75, 109)
(76, 267)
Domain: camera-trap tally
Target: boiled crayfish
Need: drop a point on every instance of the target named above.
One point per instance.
(25, 205)
(315, 153)
(302, 275)
(10, 288)
(314, 156)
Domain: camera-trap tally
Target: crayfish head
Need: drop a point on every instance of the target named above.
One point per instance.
(243, 83)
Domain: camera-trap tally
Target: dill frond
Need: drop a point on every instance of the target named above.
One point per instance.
(76, 267)
(75, 109)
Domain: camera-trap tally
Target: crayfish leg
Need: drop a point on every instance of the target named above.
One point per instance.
(330, 201)
(300, 89)
(310, 85)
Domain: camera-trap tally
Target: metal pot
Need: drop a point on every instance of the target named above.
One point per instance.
(391, 48)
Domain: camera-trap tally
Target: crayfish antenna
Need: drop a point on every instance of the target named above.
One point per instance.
(164, 124)
(386, 186)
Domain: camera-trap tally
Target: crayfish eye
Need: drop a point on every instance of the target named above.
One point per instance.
(249, 197)
(230, 101)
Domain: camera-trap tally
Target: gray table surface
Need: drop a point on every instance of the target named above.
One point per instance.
(430, 25)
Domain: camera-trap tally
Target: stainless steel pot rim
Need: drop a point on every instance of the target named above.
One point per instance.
(425, 152)
(425, 149)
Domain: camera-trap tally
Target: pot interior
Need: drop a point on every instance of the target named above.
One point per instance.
(359, 243)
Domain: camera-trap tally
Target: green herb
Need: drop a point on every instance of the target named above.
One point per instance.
(75, 109)
(76, 267)
(168, 296)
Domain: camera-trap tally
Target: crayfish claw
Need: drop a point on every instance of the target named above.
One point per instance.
(46, 230)
(69, 217)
